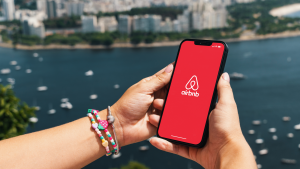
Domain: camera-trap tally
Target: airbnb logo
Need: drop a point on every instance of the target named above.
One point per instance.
(191, 84)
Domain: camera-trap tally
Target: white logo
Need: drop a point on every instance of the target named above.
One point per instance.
(191, 84)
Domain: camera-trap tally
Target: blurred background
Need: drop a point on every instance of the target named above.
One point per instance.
(60, 57)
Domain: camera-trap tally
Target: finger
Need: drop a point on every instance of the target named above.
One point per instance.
(154, 119)
(164, 145)
(158, 103)
(161, 71)
(225, 93)
(159, 81)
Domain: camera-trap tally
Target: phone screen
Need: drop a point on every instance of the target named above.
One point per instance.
(191, 91)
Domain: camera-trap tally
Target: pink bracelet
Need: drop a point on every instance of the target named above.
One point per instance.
(104, 142)
(103, 124)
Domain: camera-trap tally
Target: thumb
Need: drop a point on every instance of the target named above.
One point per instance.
(225, 93)
(159, 81)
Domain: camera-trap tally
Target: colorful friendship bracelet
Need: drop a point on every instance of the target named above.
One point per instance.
(103, 124)
(111, 120)
(104, 142)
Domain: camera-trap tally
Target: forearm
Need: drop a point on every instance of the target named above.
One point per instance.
(72, 145)
(236, 155)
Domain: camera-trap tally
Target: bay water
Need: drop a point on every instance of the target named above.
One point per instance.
(270, 91)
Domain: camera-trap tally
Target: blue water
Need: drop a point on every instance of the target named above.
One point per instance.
(270, 91)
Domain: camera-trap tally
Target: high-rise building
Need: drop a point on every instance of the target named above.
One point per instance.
(51, 7)
(23, 14)
(110, 23)
(154, 23)
(140, 23)
(176, 26)
(90, 24)
(9, 9)
(41, 5)
(167, 25)
(124, 24)
(184, 21)
(74, 8)
(32, 26)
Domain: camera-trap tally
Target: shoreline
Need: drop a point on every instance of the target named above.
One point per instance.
(143, 45)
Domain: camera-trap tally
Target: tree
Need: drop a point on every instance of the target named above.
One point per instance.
(149, 39)
(136, 39)
(108, 41)
(14, 116)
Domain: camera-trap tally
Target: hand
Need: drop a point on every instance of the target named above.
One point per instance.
(135, 108)
(225, 135)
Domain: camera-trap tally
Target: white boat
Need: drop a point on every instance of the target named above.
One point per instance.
(41, 59)
(42, 88)
(288, 161)
(51, 111)
(274, 137)
(93, 96)
(289, 59)
(272, 130)
(11, 80)
(286, 118)
(13, 63)
(18, 67)
(259, 166)
(69, 105)
(63, 105)
(297, 127)
(114, 156)
(251, 132)
(28, 70)
(37, 108)
(35, 55)
(89, 73)
(237, 76)
(5, 71)
(64, 99)
(144, 148)
(263, 151)
(256, 122)
(116, 86)
(259, 141)
(298, 145)
(290, 135)
(33, 119)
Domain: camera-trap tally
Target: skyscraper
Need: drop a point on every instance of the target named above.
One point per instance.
(41, 5)
(9, 9)
(74, 8)
(124, 25)
(51, 7)
(32, 26)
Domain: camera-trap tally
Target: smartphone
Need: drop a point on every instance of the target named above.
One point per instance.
(192, 93)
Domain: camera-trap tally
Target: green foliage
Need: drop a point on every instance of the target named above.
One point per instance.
(163, 11)
(14, 116)
(10, 23)
(134, 165)
(29, 40)
(66, 22)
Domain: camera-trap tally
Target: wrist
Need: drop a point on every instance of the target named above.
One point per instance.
(236, 153)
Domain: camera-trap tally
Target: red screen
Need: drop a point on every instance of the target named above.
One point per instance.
(190, 92)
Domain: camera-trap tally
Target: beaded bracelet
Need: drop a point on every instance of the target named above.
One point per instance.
(111, 120)
(104, 142)
(103, 124)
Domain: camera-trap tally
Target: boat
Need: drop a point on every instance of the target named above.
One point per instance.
(274, 137)
(251, 131)
(13, 63)
(259, 166)
(93, 96)
(64, 100)
(272, 130)
(35, 55)
(42, 88)
(37, 108)
(51, 111)
(11, 80)
(33, 119)
(263, 151)
(256, 122)
(68, 105)
(5, 71)
(288, 161)
(116, 86)
(289, 59)
(28, 70)
(286, 118)
(114, 156)
(89, 73)
(298, 145)
(144, 148)
(290, 135)
(63, 105)
(18, 67)
(297, 127)
(40, 59)
(237, 76)
(259, 141)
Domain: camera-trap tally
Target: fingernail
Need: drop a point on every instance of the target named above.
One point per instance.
(226, 77)
(169, 68)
